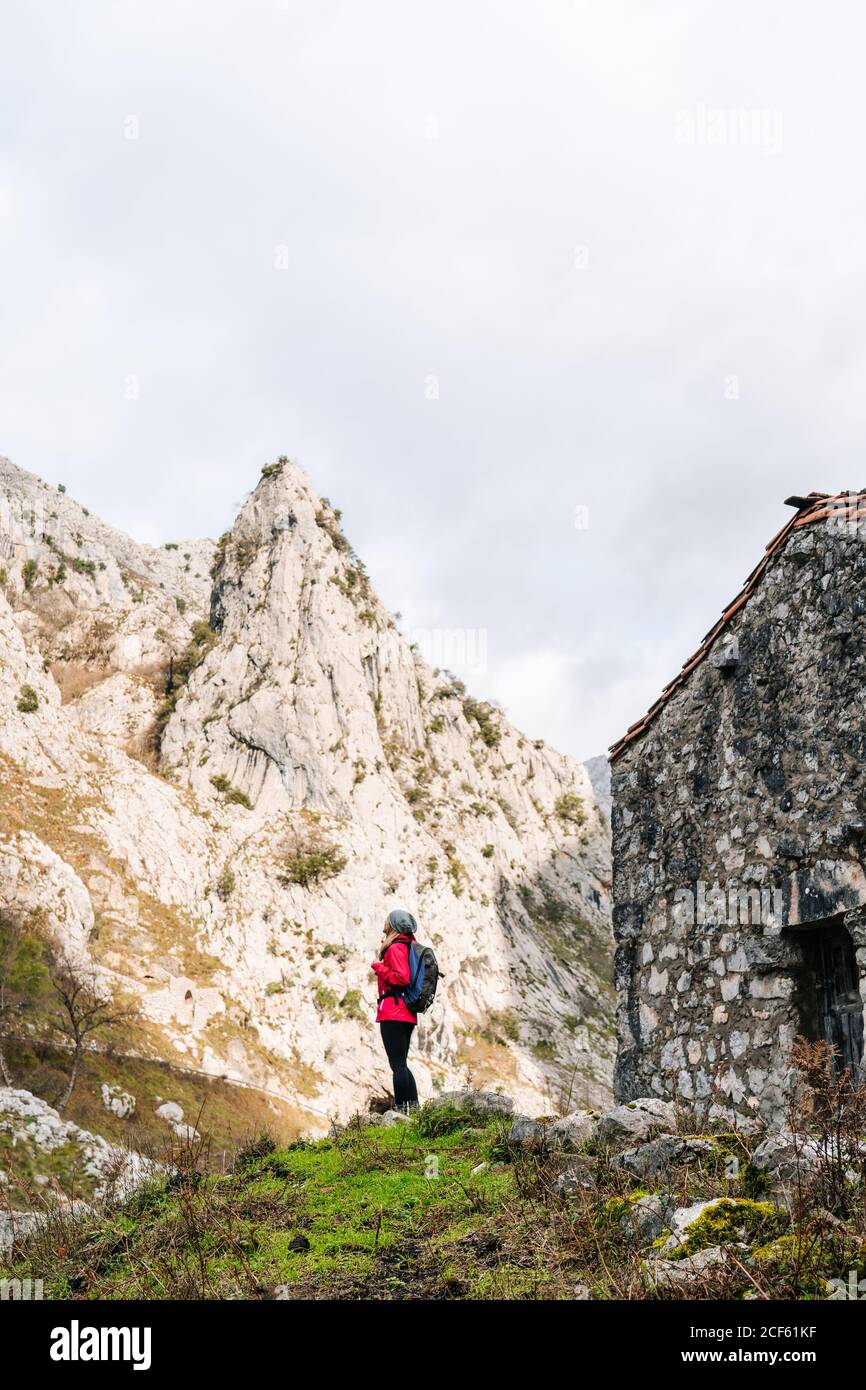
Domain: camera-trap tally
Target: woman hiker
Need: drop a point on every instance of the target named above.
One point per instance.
(395, 1020)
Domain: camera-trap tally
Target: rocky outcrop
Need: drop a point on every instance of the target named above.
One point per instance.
(58, 1155)
(224, 763)
(637, 1120)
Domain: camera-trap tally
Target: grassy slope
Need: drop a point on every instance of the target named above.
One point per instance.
(380, 1213)
(226, 1114)
(435, 1208)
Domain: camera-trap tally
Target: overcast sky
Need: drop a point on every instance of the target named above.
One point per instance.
(476, 265)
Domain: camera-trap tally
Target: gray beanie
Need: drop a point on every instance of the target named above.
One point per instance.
(402, 922)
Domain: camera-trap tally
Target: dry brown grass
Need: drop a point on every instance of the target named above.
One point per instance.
(74, 679)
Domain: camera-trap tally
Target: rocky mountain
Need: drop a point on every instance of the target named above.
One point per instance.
(598, 771)
(223, 764)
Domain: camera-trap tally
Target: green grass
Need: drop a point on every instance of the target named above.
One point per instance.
(378, 1213)
(434, 1208)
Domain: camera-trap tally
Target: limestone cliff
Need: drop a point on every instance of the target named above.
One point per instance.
(223, 764)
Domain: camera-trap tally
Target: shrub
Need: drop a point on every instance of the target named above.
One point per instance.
(245, 552)
(455, 870)
(483, 716)
(352, 1006)
(502, 1026)
(569, 809)
(324, 999)
(488, 851)
(28, 700)
(311, 861)
(253, 1150)
(329, 521)
(232, 795)
(434, 1120)
(29, 571)
(273, 470)
(225, 884)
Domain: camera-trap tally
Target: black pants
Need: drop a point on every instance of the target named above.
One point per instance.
(396, 1037)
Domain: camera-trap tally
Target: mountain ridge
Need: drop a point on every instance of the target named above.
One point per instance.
(256, 764)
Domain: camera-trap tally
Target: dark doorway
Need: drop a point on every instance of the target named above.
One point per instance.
(830, 994)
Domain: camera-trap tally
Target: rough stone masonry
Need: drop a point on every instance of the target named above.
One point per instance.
(739, 835)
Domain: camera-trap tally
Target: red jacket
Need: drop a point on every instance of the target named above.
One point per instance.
(393, 972)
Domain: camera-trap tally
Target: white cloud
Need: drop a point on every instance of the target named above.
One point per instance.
(598, 380)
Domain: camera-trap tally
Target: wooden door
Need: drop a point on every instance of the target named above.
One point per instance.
(839, 1006)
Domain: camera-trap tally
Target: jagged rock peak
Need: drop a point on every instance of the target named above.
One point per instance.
(247, 770)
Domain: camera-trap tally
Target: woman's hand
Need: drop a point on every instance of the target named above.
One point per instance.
(388, 936)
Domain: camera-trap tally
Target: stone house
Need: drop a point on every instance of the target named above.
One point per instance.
(739, 834)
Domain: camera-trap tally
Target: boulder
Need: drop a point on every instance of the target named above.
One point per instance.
(673, 1274)
(574, 1173)
(118, 1101)
(387, 1118)
(733, 1120)
(784, 1155)
(636, 1121)
(527, 1134)
(573, 1131)
(732, 1220)
(569, 1133)
(645, 1220)
(657, 1157)
(170, 1111)
(681, 1219)
(481, 1102)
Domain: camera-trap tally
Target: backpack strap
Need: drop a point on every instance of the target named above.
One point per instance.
(392, 992)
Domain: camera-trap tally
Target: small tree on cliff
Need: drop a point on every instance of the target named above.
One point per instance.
(85, 1009)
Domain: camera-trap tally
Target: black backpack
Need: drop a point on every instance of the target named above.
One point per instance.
(424, 974)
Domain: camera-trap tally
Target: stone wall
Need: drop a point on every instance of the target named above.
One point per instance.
(751, 779)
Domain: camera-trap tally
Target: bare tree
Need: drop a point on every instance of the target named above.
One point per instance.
(85, 1010)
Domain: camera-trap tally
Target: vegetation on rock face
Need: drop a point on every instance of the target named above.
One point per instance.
(225, 884)
(203, 639)
(310, 860)
(484, 717)
(569, 808)
(28, 700)
(231, 794)
(29, 571)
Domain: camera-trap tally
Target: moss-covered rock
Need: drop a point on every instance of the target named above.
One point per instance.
(726, 1221)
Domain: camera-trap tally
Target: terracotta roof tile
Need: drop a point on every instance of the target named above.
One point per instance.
(817, 506)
